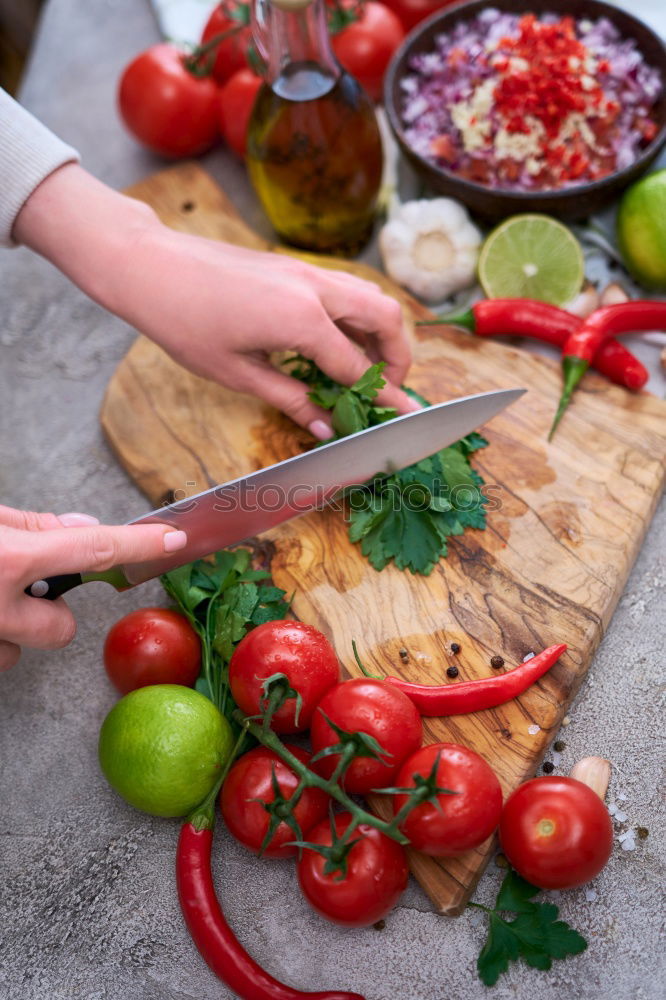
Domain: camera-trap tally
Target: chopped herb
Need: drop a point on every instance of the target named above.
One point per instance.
(407, 517)
(535, 934)
(223, 598)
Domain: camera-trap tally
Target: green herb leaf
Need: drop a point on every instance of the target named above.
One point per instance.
(223, 598)
(535, 935)
(407, 517)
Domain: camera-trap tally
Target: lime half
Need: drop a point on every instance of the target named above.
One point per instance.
(532, 257)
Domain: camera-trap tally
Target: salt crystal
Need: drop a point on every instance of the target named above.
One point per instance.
(534, 729)
(556, 758)
(528, 657)
(612, 808)
(629, 844)
(591, 895)
(621, 797)
(620, 816)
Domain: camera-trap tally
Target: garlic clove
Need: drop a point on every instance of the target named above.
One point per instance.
(585, 302)
(613, 295)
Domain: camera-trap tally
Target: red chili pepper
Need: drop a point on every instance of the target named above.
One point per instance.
(582, 346)
(473, 696)
(531, 318)
(211, 933)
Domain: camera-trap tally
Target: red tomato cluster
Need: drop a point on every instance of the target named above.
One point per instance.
(180, 105)
(376, 870)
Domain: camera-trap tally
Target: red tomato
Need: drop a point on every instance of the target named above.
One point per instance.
(366, 45)
(236, 101)
(457, 822)
(166, 107)
(152, 646)
(231, 53)
(294, 649)
(411, 12)
(251, 778)
(375, 877)
(556, 832)
(371, 706)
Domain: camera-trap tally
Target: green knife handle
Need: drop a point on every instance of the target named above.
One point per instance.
(55, 586)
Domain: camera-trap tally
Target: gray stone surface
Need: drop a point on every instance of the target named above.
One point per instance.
(87, 900)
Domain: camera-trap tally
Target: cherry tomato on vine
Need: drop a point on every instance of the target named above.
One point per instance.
(374, 877)
(165, 106)
(365, 46)
(556, 832)
(152, 646)
(375, 707)
(298, 651)
(251, 779)
(236, 101)
(458, 822)
(411, 12)
(231, 18)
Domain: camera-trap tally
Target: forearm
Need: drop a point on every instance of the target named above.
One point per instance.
(85, 229)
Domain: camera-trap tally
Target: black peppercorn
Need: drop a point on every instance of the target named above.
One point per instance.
(559, 746)
(455, 647)
(548, 767)
(643, 833)
(380, 925)
(452, 672)
(497, 662)
(403, 654)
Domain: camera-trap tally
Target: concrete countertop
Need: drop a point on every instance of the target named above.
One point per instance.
(88, 907)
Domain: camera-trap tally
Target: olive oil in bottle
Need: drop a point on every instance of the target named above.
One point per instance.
(314, 150)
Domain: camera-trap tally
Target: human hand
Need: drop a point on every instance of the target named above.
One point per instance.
(35, 546)
(221, 311)
(218, 309)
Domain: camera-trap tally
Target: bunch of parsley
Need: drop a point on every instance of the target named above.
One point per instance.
(406, 517)
(223, 598)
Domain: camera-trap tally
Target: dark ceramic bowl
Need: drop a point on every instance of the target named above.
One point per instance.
(494, 203)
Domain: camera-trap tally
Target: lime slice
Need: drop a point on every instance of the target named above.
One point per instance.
(532, 257)
(641, 230)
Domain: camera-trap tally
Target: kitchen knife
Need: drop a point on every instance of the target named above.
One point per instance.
(235, 511)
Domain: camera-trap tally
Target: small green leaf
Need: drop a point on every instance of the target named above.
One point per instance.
(500, 948)
(515, 894)
(203, 688)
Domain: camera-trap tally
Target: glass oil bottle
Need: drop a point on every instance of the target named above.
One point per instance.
(314, 150)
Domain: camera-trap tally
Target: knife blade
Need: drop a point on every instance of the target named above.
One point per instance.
(232, 512)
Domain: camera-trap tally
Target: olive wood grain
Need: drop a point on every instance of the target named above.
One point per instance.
(550, 567)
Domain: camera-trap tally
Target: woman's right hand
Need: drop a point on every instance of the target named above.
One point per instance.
(35, 546)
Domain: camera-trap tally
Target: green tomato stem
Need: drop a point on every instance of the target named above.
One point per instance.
(310, 779)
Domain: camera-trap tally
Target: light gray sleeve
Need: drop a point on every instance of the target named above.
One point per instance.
(29, 152)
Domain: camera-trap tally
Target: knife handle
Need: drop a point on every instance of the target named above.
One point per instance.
(55, 586)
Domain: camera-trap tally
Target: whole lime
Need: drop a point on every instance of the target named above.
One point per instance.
(162, 747)
(641, 230)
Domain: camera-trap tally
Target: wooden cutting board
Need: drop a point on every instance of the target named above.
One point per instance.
(549, 568)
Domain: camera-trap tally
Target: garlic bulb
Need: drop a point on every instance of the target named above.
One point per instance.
(431, 247)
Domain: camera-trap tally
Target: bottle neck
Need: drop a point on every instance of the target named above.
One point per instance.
(292, 37)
